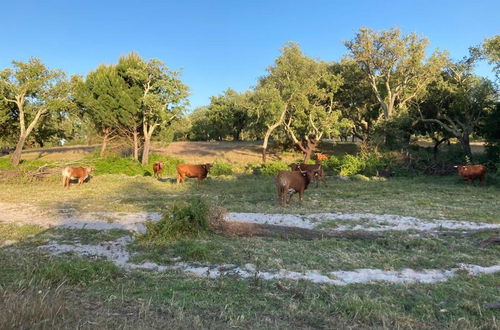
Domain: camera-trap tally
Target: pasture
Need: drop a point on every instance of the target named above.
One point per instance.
(77, 257)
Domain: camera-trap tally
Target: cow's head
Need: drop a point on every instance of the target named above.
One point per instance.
(207, 166)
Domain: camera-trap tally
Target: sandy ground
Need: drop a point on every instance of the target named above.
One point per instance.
(116, 252)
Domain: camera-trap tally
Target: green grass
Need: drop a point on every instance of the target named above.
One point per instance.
(106, 297)
(14, 232)
(394, 252)
(425, 197)
(88, 292)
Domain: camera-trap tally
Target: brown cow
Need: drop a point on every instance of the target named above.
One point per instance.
(192, 171)
(290, 182)
(158, 169)
(318, 168)
(80, 173)
(472, 172)
(321, 157)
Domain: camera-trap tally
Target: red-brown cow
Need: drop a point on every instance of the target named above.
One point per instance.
(472, 172)
(192, 171)
(158, 169)
(80, 173)
(318, 168)
(290, 182)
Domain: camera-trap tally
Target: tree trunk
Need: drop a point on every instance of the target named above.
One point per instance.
(309, 149)
(464, 141)
(103, 145)
(145, 149)
(270, 130)
(136, 144)
(16, 156)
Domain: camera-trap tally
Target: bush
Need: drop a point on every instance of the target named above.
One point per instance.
(332, 165)
(184, 219)
(220, 168)
(170, 163)
(273, 168)
(351, 165)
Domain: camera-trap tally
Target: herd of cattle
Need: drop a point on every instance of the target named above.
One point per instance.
(287, 182)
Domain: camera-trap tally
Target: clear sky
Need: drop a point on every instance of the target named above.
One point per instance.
(222, 44)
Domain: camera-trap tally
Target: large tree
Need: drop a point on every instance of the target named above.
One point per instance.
(491, 50)
(228, 114)
(107, 101)
(35, 91)
(163, 94)
(459, 102)
(396, 66)
(296, 94)
(356, 100)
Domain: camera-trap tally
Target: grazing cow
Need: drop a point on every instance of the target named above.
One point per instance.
(192, 171)
(318, 168)
(472, 172)
(80, 173)
(290, 182)
(158, 169)
(321, 157)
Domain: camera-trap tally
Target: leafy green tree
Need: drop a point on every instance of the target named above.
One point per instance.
(395, 65)
(459, 102)
(228, 114)
(35, 91)
(491, 49)
(356, 100)
(107, 102)
(163, 95)
(296, 94)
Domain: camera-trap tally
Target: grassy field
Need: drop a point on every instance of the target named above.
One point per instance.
(43, 291)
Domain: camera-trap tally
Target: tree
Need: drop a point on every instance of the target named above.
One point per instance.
(356, 100)
(107, 101)
(163, 98)
(228, 114)
(35, 91)
(296, 93)
(316, 114)
(395, 66)
(459, 102)
(491, 50)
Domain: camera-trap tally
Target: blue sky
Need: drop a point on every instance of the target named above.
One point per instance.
(222, 44)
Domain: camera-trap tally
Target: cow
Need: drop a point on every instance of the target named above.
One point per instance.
(472, 172)
(320, 157)
(318, 168)
(192, 171)
(158, 169)
(290, 182)
(80, 173)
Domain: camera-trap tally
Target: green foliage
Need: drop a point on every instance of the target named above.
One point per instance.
(332, 164)
(221, 168)
(78, 271)
(351, 165)
(184, 219)
(170, 163)
(272, 168)
(117, 165)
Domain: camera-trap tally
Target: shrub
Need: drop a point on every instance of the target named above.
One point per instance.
(184, 219)
(170, 163)
(117, 165)
(351, 165)
(332, 165)
(221, 168)
(273, 168)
